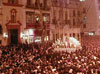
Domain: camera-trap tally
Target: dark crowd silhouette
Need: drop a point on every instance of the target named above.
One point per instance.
(38, 59)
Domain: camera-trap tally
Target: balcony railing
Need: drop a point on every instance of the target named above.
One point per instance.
(34, 6)
(37, 25)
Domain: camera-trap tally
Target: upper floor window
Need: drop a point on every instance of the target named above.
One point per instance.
(28, 2)
(0, 2)
(13, 1)
(0, 29)
(13, 15)
(98, 1)
(74, 13)
(54, 3)
(45, 3)
(85, 20)
(74, 22)
(46, 17)
(99, 7)
(78, 13)
(84, 10)
(30, 19)
(66, 15)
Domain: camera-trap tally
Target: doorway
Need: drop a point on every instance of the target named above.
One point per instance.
(13, 36)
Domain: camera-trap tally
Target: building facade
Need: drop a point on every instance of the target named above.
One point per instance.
(32, 20)
(91, 16)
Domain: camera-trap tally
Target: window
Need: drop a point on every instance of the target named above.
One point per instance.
(46, 17)
(73, 34)
(28, 2)
(98, 1)
(0, 41)
(99, 7)
(54, 3)
(66, 15)
(74, 13)
(84, 10)
(70, 35)
(74, 22)
(0, 3)
(13, 1)
(0, 29)
(45, 3)
(60, 14)
(78, 36)
(85, 20)
(37, 19)
(36, 3)
(13, 15)
(54, 21)
(84, 25)
(30, 18)
(78, 13)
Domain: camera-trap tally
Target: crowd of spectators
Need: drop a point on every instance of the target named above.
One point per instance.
(91, 42)
(35, 59)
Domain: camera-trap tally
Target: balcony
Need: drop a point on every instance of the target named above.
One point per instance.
(35, 6)
(37, 26)
(10, 4)
(54, 21)
(67, 22)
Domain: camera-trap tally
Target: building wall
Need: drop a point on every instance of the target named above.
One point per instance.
(61, 19)
(92, 16)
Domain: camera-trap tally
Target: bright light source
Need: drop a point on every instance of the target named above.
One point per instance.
(91, 33)
(46, 38)
(45, 18)
(74, 41)
(21, 35)
(38, 39)
(82, 0)
(30, 31)
(5, 35)
(99, 18)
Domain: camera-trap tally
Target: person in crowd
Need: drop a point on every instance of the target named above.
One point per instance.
(34, 59)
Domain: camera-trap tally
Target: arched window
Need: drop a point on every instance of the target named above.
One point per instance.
(0, 29)
(13, 15)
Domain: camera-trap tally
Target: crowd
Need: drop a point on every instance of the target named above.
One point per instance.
(91, 42)
(35, 59)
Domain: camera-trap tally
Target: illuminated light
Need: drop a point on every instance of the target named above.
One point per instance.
(46, 38)
(82, 0)
(5, 35)
(45, 18)
(74, 42)
(22, 35)
(71, 70)
(30, 31)
(91, 33)
(76, 57)
(95, 57)
(38, 67)
(53, 70)
(99, 18)
(38, 39)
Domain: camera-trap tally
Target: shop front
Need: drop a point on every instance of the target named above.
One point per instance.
(33, 35)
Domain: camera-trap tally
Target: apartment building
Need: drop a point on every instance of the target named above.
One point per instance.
(29, 20)
(91, 17)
